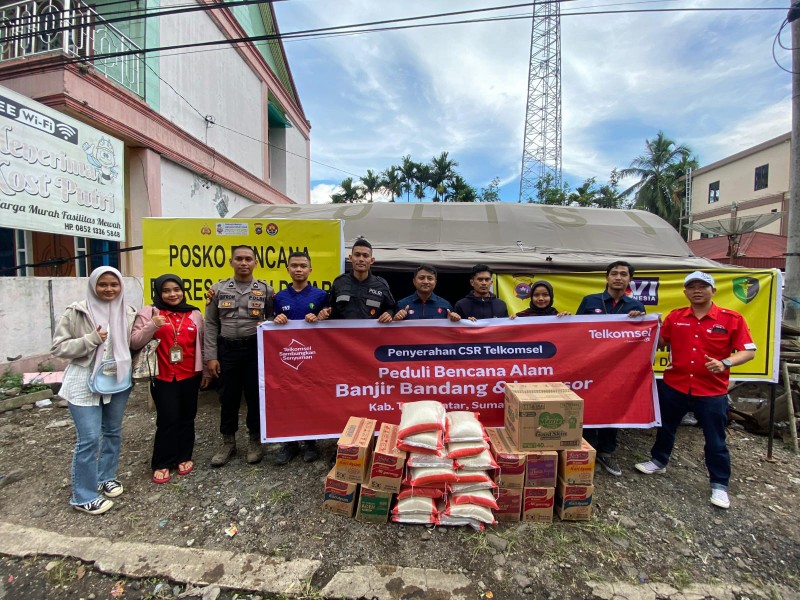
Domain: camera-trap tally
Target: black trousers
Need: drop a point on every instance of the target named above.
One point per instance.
(176, 409)
(238, 362)
(603, 440)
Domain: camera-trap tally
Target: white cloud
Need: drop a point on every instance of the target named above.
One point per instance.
(701, 77)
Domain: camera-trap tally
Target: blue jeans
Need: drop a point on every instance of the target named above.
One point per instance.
(712, 415)
(98, 437)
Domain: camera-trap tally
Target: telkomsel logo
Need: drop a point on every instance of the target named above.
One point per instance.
(295, 354)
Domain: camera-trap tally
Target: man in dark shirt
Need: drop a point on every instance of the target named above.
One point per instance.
(360, 294)
(481, 303)
(424, 304)
(613, 301)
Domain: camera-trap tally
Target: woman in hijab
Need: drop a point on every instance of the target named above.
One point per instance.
(541, 302)
(91, 333)
(179, 328)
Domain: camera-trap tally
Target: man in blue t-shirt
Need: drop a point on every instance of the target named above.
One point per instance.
(613, 301)
(424, 304)
(300, 301)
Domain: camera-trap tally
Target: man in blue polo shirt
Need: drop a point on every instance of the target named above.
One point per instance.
(424, 304)
(300, 301)
(613, 301)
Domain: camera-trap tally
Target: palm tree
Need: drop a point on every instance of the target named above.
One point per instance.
(585, 194)
(391, 183)
(350, 193)
(658, 177)
(423, 176)
(370, 183)
(440, 171)
(459, 190)
(408, 175)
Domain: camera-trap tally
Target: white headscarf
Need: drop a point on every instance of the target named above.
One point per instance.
(114, 316)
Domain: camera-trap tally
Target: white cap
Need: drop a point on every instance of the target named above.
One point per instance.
(699, 276)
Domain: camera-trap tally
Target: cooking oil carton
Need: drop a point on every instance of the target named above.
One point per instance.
(574, 502)
(354, 450)
(541, 469)
(373, 506)
(386, 470)
(511, 461)
(576, 467)
(340, 496)
(509, 502)
(543, 416)
(537, 504)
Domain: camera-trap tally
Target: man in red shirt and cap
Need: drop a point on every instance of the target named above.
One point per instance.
(705, 341)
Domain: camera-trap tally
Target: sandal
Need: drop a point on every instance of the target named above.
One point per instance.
(185, 467)
(161, 476)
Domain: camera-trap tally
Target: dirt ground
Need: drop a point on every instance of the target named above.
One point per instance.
(659, 528)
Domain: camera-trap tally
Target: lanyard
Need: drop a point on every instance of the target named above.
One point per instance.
(174, 330)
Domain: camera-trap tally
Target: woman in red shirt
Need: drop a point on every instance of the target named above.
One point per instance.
(179, 328)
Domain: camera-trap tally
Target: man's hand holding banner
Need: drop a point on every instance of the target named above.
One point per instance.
(313, 377)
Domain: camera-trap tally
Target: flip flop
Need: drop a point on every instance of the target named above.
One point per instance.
(161, 476)
(185, 467)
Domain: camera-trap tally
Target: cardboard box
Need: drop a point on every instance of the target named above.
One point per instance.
(511, 461)
(386, 470)
(543, 416)
(576, 467)
(509, 502)
(340, 496)
(574, 502)
(541, 469)
(354, 450)
(373, 506)
(537, 504)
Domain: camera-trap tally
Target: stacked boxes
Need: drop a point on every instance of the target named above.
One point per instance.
(376, 467)
(545, 464)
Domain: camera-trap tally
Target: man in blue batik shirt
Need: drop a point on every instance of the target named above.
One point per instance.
(613, 301)
(424, 304)
(300, 301)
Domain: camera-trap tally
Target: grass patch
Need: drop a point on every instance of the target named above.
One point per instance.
(305, 591)
(62, 573)
(682, 578)
(279, 496)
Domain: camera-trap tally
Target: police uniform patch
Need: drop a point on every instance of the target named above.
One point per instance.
(225, 304)
(255, 312)
(257, 293)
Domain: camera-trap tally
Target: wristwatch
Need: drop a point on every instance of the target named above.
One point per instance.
(728, 364)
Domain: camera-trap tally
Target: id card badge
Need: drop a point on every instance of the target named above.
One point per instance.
(175, 354)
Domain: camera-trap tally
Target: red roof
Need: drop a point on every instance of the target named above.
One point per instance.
(752, 245)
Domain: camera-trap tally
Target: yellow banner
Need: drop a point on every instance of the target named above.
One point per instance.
(198, 250)
(753, 293)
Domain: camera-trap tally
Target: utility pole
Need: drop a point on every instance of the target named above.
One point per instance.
(791, 289)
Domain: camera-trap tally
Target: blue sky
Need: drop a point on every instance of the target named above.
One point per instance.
(707, 79)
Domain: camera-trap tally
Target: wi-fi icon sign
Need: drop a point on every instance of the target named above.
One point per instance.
(65, 131)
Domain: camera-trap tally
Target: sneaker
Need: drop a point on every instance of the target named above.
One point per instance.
(255, 451)
(610, 464)
(311, 452)
(110, 489)
(689, 419)
(649, 467)
(720, 498)
(287, 453)
(95, 507)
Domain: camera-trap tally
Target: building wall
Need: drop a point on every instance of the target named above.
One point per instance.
(186, 194)
(218, 84)
(736, 184)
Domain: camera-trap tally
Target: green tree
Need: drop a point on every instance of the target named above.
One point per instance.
(440, 171)
(350, 192)
(408, 171)
(459, 190)
(370, 183)
(491, 193)
(391, 183)
(548, 193)
(609, 196)
(585, 194)
(658, 170)
(422, 177)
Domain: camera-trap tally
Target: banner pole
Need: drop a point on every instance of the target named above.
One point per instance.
(771, 433)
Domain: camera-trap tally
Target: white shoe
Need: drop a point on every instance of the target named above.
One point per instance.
(689, 419)
(649, 467)
(720, 498)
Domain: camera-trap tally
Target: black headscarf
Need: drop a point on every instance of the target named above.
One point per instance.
(160, 304)
(533, 310)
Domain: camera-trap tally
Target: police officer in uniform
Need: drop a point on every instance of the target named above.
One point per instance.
(360, 294)
(236, 306)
